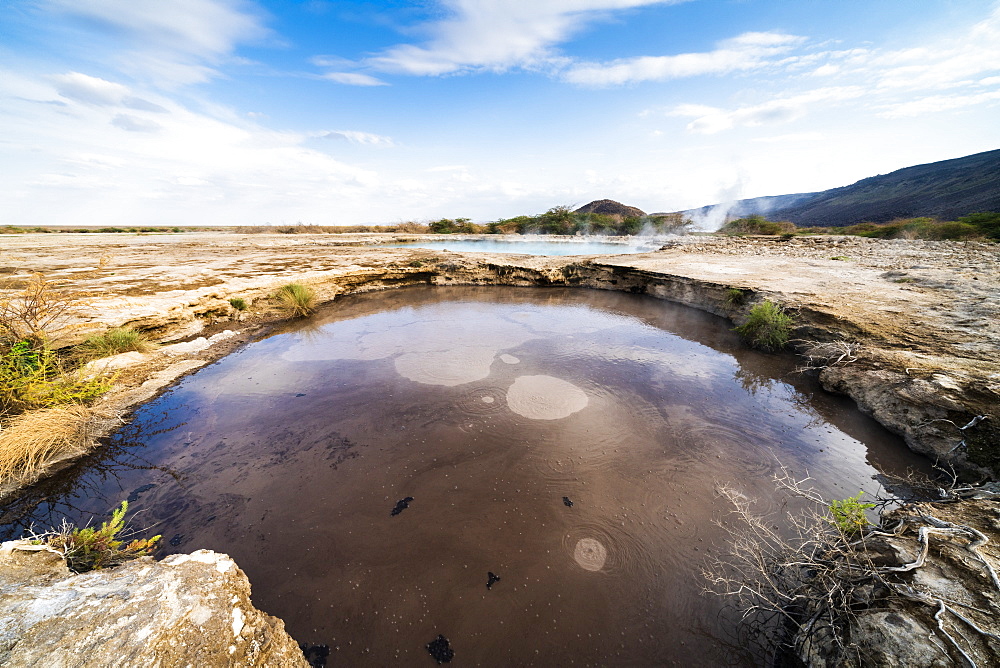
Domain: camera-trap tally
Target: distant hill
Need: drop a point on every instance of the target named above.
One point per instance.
(609, 207)
(947, 190)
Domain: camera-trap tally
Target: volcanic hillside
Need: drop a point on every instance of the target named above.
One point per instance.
(947, 190)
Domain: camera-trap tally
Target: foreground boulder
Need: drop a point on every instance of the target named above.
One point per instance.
(186, 610)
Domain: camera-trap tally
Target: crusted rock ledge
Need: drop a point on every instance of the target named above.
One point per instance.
(187, 610)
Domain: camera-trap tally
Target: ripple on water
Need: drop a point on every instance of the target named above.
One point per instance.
(590, 554)
(545, 398)
(483, 401)
(609, 547)
(708, 444)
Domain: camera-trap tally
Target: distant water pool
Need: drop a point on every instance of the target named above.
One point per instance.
(536, 246)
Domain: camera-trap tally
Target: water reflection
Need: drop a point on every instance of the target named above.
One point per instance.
(292, 455)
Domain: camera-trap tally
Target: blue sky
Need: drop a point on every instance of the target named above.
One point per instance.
(144, 112)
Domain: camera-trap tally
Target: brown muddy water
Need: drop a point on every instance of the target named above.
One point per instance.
(370, 468)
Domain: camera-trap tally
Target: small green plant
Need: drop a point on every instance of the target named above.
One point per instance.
(33, 377)
(114, 341)
(735, 297)
(849, 515)
(298, 299)
(416, 263)
(89, 548)
(239, 303)
(842, 258)
(767, 327)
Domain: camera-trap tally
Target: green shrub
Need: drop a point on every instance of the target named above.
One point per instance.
(756, 224)
(849, 515)
(925, 228)
(114, 341)
(90, 549)
(239, 303)
(298, 299)
(33, 377)
(456, 226)
(951, 230)
(987, 222)
(767, 327)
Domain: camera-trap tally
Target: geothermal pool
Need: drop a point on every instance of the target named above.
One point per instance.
(372, 467)
(537, 245)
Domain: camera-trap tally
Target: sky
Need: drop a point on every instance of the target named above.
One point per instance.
(234, 112)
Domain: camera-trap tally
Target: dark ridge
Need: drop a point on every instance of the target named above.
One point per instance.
(947, 189)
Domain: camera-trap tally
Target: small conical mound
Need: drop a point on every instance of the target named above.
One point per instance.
(609, 207)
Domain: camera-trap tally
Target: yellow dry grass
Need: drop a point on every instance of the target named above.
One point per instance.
(28, 442)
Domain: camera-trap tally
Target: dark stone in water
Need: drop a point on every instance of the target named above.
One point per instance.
(401, 505)
(491, 579)
(134, 496)
(315, 654)
(300, 395)
(567, 502)
(440, 649)
(176, 540)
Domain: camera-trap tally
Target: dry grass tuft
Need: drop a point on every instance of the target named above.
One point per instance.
(114, 341)
(298, 299)
(31, 440)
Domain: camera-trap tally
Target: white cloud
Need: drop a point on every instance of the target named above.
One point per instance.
(497, 35)
(92, 90)
(826, 70)
(198, 27)
(243, 172)
(356, 137)
(792, 137)
(710, 120)
(944, 64)
(746, 52)
(135, 124)
(177, 41)
(354, 79)
(938, 103)
(447, 168)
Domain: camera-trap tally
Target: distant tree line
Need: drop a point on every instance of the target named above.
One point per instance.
(984, 225)
(561, 220)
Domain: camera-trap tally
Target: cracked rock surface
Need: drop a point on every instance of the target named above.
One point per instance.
(187, 610)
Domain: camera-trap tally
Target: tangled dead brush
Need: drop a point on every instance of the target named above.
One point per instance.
(38, 310)
(810, 587)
